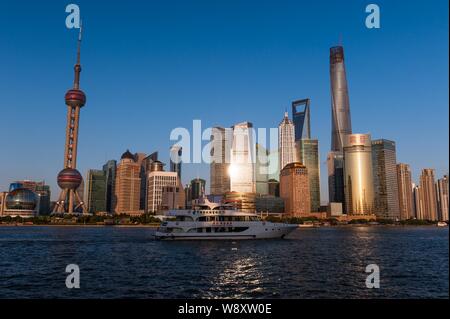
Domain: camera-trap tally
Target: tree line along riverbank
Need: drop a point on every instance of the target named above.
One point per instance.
(151, 220)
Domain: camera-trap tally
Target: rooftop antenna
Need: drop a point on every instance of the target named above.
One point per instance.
(79, 41)
(340, 39)
(76, 82)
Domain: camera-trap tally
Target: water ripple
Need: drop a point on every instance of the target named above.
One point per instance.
(310, 263)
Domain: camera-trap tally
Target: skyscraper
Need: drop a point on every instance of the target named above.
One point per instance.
(188, 196)
(301, 119)
(308, 155)
(262, 167)
(127, 189)
(294, 189)
(418, 203)
(176, 152)
(274, 187)
(307, 149)
(405, 191)
(96, 191)
(428, 194)
(286, 141)
(173, 197)
(148, 160)
(109, 170)
(335, 165)
(340, 106)
(157, 180)
(220, 160)
(153, 156)
(340, 125)
(384, 161)
(140, 159)
(69, 179)
(358, 179)
(44, 195)
(197, 187)
(442, 198)
(274, 164)
(242, 161)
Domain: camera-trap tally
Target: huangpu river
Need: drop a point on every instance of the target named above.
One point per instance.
(126, 262)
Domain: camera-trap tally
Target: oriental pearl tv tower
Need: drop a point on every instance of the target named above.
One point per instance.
(69, 179)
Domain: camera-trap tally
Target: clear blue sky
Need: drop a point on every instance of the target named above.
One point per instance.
(151, 66)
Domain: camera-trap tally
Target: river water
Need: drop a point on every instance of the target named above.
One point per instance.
(126, 262)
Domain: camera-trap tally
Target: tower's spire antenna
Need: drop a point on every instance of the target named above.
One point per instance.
(76, 82)
(340, 39)
(79, 42)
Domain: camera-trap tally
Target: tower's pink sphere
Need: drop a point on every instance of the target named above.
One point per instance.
(69, 178)
(75, 97)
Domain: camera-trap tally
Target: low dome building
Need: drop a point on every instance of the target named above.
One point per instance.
(21, 202)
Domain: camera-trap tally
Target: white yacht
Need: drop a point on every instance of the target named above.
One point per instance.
(207, 220)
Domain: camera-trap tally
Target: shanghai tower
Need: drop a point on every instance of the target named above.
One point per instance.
(341, 124)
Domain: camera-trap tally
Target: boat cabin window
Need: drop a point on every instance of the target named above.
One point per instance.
(183, 219)
(206, 218)
(225, 218)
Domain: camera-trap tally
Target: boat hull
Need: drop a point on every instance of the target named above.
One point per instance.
(277, 232)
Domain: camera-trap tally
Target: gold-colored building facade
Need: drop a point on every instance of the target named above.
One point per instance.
(358, 175)
(220, 160)
(242, 201)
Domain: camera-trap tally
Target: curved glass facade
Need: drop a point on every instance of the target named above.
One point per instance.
(358, 177)
(21, 199)
(340, 105)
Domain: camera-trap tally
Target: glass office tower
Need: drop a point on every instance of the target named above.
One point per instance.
(301, 119)
(96, 191)
(197, 188)
(221, 139)
(384, 163)
(110, 173)
(176, 153)
(242, 163)
(262, 167)
(358, 178)
(335, 165)
(308, 155)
